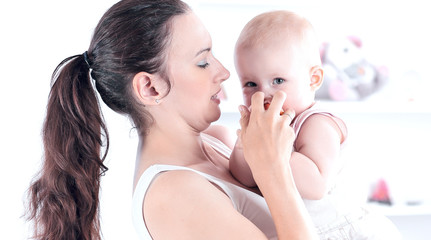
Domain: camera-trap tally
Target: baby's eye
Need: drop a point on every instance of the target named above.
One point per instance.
(278, 81)
(250, 84)
(203, 64)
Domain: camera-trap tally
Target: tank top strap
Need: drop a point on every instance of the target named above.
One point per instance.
(315, 109)
(217, 145)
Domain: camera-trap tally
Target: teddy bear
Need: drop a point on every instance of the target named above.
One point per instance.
(347, 73)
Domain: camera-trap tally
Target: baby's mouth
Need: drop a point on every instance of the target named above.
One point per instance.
(266, 106)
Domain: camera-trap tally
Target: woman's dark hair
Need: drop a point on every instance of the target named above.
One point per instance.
(131, 37)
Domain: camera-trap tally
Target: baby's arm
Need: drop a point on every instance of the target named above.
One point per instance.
(237, 164)
(239, 167)
(316, 159)
(315, 162)
(222, 133)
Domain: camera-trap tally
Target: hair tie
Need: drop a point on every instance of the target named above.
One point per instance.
(87, 61)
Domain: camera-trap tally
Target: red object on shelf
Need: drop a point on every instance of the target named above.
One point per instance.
(380, 193)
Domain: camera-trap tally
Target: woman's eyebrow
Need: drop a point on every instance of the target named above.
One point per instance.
(203, 50)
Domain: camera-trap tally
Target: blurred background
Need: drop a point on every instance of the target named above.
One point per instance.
(384, 101)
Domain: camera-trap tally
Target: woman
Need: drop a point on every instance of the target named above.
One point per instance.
(152, 61)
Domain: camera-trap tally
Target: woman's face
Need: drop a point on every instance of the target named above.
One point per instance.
(195, 74)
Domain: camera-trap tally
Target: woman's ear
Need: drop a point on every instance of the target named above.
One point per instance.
(316, 77)
(144, 88)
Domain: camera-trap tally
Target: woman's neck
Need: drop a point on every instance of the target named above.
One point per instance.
(170, 146)
(181, 149)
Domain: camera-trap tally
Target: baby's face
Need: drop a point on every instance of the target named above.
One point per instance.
(272, 68)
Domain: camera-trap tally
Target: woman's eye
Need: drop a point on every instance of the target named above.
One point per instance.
(278, 81)
(250, 84)
(203, 64)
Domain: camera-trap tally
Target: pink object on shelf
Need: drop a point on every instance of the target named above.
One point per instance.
(380, 193)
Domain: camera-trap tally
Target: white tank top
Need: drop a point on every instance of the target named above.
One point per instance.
(249, 204)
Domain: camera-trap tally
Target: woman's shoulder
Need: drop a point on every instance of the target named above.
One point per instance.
(176, 190)
(178, 195)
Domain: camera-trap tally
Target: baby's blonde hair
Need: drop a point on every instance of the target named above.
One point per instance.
(289, 26)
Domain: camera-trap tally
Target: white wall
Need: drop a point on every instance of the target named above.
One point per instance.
(393, 35)
(37, 35)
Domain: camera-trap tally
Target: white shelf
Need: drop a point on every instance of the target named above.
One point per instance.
(376, 107)
(401, 210)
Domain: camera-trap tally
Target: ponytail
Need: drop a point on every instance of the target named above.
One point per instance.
(64, 199)
(131, 37)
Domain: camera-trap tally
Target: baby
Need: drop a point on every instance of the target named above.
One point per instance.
(279, 51)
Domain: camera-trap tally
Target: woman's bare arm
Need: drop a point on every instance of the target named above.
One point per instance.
(267, 141)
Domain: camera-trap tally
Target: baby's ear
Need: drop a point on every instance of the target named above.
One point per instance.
(145, 88)
(316, 77)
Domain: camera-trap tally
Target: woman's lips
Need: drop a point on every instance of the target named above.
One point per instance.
(216, 98)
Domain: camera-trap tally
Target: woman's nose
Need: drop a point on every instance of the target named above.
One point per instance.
(224, 74)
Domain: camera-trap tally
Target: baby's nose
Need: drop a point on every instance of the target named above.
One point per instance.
(267, 98)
